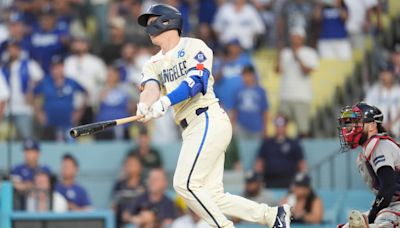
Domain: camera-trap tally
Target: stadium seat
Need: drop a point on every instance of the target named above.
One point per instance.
(332, 200)
(356, 199)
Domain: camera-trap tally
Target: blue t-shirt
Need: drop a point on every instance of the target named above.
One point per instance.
(207, 10)
(45, 45)
(226, 88)
(58, 101)
(26, 173)
(165, 208)
(281, 157)
(75, 194)
(114, 105)
(250, 104)
(332, 25)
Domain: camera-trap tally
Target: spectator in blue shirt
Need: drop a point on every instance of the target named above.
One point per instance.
(60, 110)
(280, 157)
(48, 40)
(76, 195)
(17, 32)
(250, 113)
(333, 42)
(116, 101)
(23, 174)
(228, 73)
(154, 199)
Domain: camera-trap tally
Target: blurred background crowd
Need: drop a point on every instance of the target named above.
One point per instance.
(282, 69)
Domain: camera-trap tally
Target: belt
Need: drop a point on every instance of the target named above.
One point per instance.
(184, 122)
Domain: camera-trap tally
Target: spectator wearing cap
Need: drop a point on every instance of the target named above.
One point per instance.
(333, 40)
(149, 156)
(56, 105)
(111, 51)
(47, 40)
(238, 20)
(250, 113)
(89, 71)
(280, 157)
(254, 189)
(385, 94)
(128, 188)
(307, 207)
(296, 91)
(117, 100)
(21, 75)
(153, 200)
(228, 70)
(76, 195)
(22, 175)
(17, 31)
(395, 59)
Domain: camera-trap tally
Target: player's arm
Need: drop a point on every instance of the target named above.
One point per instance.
(151, 90)
(386, 178)
(196, 81)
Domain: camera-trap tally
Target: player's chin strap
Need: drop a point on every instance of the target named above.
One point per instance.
(196, 81)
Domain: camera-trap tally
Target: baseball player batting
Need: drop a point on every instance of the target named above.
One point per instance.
(378, 163)
(180, 75)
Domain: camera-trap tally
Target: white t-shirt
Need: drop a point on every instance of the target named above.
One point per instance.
(295, 85)
(4, 91)
(357, 14)
(18, 104)
(388, 101)
(89, 71)
(242, 25)
(187, 222)
(60, 204)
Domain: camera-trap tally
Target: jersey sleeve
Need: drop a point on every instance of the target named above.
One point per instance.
(149, 74)
(383, 155)
(200, 57)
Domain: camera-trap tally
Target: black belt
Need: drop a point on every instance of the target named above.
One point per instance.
(184, 122)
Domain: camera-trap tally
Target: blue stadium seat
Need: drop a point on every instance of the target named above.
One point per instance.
(332, 200)
(356, 199)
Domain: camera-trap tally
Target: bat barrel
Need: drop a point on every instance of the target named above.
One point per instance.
(89, 129)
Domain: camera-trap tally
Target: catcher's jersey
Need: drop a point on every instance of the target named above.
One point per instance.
(171, 68)
(380, 151)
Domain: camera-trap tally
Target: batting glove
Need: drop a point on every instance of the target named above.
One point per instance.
(143, 109)
(159, 108)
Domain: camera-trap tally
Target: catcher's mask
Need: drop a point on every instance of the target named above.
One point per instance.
(351, 124)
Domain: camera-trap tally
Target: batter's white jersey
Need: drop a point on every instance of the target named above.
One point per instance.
(171, 68)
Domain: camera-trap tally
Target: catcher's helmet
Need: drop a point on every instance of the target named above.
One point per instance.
(351, 123)
(169, 18)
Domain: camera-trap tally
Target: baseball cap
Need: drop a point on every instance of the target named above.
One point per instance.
(252, 176)
(298, 31)
(386, 66)
(57, 59)
(302, 180)
(12, 42)
(118, 22)
(234, 41)
(280, 121)
(16, 17)
(31, 144)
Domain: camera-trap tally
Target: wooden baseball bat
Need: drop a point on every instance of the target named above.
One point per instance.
(94, 128)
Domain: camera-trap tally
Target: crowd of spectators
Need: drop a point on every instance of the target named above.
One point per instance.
(71, 62)
(65, 63)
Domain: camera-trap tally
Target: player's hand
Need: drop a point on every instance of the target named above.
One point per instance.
(159, 108)
(143, 109)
